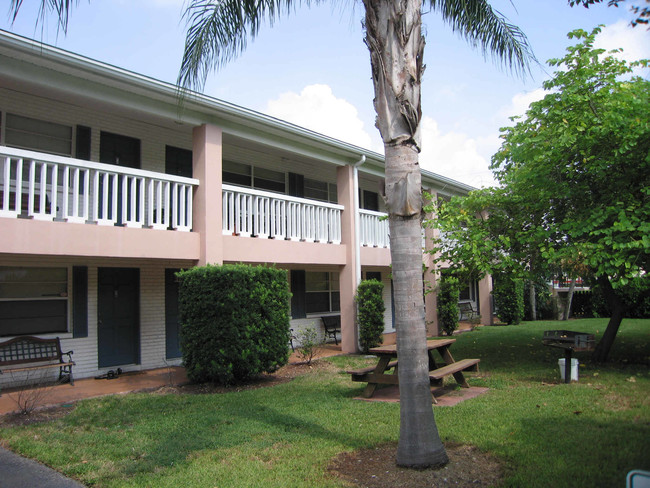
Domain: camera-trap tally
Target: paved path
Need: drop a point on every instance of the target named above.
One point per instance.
(19, 472)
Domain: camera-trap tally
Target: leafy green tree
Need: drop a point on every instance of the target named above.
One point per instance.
(578, 164)
(491, 231)
(218, 31)
(642, 13)
(584, 151)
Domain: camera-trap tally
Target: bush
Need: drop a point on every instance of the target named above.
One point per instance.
(546, 305)
(635, 296)
(448, 313)
(309, 345)
(509, 298)
(370, 315)
(235, 322)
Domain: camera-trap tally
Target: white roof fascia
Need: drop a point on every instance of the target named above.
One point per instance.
(142, 92)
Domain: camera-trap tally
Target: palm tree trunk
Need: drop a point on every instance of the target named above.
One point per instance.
(395, 42)
(419, 442)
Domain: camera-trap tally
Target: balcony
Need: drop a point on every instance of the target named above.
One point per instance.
(373, 229)
(54, 188)
(267, 215)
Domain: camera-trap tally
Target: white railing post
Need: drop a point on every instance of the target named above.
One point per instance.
(255, 213)
(11, 187)
(373, 229)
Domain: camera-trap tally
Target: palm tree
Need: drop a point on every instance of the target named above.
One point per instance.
(218, 31)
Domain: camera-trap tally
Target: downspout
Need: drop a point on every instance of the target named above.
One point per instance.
(357, 233)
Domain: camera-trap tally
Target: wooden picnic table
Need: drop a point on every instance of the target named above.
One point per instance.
(387, 360)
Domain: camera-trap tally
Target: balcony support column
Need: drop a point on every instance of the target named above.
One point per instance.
(485, 300)
(348, 277)
(207, 203)
(430, 278)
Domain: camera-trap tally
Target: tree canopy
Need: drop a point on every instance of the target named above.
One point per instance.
(575, 181)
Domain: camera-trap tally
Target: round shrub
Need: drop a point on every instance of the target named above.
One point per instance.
(448, 313)
(509, 298)
(370, 315)
(234, 322)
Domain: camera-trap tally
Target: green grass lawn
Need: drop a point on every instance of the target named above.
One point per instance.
(589, 433)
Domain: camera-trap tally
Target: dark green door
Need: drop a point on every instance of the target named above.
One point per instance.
(118, 316)
(172, 324)
(118, 150)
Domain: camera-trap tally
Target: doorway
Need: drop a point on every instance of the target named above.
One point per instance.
(118, 316)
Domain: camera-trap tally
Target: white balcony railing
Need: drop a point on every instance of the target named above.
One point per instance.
(373, 229)
(48, 187)
(255, 213)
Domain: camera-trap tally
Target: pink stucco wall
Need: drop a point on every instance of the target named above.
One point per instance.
(33, 237)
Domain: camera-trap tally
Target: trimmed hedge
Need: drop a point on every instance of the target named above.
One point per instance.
(235, 322)
(370, 315)
(448, 312)
(509, 298)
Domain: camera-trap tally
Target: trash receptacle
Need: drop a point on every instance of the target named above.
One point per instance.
(574, 369)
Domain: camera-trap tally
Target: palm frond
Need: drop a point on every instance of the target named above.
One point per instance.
(218, 31)
(61, 8)
(488, 30)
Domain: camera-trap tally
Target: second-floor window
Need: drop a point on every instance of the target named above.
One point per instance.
(254, 177)
(38, 135)
(320, 190)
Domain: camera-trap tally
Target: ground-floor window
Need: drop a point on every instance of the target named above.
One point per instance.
(322, 292)
(33, 300)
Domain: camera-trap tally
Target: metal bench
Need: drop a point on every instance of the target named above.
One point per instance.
(467, 311)
(332, 324)
(28, 353)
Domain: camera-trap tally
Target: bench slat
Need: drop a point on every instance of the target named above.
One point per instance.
(452, 368)
(41, 366)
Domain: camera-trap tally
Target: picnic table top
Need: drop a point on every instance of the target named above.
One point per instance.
(392, 349)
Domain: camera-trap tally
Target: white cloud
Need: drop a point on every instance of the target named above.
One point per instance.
(520, 102)
(318, 109)
(635, 42)
(456, 155)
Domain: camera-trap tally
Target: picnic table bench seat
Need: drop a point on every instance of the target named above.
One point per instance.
(361, 374)
(28, 353)
(436, 376)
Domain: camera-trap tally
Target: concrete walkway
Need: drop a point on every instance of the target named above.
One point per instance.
(19, 472)
(90, 387)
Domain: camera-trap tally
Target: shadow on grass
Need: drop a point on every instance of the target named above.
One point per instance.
(562, 451)
(141, 434)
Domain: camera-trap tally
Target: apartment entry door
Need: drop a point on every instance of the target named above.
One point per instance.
(118, 150)
(118, 316)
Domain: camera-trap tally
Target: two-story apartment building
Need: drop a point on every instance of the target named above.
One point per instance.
(108, 186)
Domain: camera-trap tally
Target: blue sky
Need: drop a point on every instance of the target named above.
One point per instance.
(312, 68)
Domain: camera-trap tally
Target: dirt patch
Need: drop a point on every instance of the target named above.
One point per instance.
(376, 468)
(36, 416)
